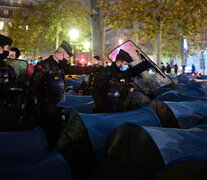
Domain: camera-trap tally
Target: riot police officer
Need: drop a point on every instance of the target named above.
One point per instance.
(108, 87)
(46, 89)
(6, 79)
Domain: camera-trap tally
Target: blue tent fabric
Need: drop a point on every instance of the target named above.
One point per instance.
(192, 91)
(188, 113)
(83, 104)
(52, 168)
(193, 168)
(22, 148)
(100, 126)
(23, 141)
(179, 143)
(83, 108)
(179, 96)
(75, 100)
(74, 82)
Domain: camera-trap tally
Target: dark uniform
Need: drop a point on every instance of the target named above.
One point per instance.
(46, 89)
(7, 80)
(4, 85)
(108, 87)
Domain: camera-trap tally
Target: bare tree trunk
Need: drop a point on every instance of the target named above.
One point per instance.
(136, 28)
(97, 29)
(182, 52)
(57, 39)
(203, 62)
(159, 40)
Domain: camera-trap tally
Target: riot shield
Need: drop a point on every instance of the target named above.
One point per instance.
(14, 93)
(20, 69)
(151, 78)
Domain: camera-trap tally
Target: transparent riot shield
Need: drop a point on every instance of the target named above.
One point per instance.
(19, 67)
(151, 78)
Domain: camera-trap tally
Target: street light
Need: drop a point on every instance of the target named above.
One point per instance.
(74, 33)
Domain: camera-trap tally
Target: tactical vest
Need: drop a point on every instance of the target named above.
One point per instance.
(4, 75)
(55, 86)
(117, 90)
(4, 80)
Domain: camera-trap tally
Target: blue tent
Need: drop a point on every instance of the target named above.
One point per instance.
(84, 140)
(186, 113)
(141, 152)
(23, 141)
(100, 126)
(83, 104)
(22, 147)
(53, 167)
(183, 152)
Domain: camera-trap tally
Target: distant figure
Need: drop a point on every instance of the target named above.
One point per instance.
(96, 61)
(193, 68)
(183, 69)
(168, 69)
(175, 69)
(162, 67)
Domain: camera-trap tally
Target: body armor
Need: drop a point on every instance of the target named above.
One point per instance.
(55, 86)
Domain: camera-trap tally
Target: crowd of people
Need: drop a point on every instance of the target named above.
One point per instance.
(111, 86)
(168, 69)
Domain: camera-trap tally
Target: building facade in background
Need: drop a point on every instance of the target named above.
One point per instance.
(6, 9)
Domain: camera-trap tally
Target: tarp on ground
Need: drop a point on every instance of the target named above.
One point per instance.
(100, 126)
(187, 113)
(52, 168)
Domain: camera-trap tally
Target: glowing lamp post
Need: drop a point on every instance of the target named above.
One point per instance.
(74, 33)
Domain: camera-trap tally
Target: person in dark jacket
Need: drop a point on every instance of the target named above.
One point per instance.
(7, 80)
(175, 69)
(108, 87)
(193, 68)
(135, 99)
(46, 89)
(162, 67)
(168, 69)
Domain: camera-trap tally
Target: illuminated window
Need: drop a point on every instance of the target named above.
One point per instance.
(1, 25)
